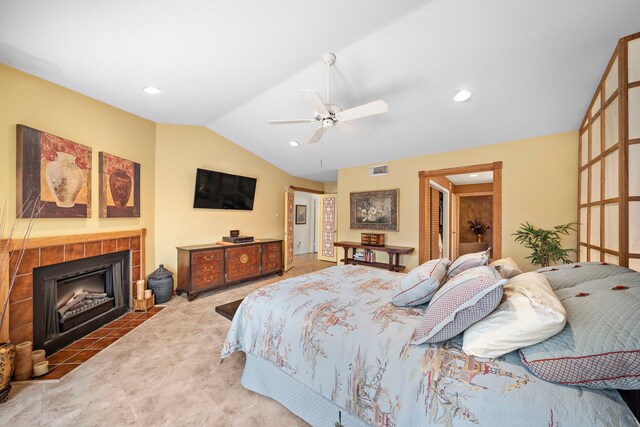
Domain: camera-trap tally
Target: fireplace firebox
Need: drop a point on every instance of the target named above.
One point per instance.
(74, 298)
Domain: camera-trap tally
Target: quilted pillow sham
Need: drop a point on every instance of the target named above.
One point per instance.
(421, 283)
(600, 345)
(467, 261)
(458, 304)
(531, 313)
(569, 275)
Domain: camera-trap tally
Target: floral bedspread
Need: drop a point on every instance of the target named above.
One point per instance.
(337, 332)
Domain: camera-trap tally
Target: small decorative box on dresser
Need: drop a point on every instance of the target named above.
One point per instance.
(205, 267)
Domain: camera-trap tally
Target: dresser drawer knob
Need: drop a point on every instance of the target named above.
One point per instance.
(244, 258)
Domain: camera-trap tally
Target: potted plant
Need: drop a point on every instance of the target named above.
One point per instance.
(478, 227)
(545, 245)
(11, 251)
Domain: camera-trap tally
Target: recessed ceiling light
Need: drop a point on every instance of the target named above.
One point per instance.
(462, 95)
(294, 143)
(152, 90)
(473, 175)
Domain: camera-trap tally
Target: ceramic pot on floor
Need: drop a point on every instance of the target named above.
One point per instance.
(7, 365)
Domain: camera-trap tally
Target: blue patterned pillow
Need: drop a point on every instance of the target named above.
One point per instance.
(600, 345)
(467, 261)
(419, 286)
(461, 302)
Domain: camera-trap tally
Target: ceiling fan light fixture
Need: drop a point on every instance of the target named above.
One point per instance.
(152, 90)
(294, 143)
(462, 95)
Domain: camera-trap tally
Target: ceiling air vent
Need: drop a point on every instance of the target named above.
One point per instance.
(378, 170)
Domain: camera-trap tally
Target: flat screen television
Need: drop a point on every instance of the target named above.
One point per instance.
(218, 190)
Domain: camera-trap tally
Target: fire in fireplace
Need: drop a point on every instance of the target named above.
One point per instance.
(72, 299)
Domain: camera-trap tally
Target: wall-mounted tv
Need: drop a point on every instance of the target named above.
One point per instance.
(218, 190)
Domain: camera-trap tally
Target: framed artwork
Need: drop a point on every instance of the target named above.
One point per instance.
(54, 170)
(301, 214)
(119, 187)
(374, 210)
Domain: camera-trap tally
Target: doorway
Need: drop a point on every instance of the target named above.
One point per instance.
(310, 225)
(305, 224)
(460, 211)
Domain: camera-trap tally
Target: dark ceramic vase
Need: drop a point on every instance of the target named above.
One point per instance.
(161, 283)
(120, 184)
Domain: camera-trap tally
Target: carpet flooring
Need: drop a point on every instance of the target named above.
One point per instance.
(166, 371)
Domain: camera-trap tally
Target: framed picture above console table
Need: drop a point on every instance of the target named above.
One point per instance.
(202, 268)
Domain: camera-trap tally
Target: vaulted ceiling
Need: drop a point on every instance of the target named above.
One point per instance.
(233, 65)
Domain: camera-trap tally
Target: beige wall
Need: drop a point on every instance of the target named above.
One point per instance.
(539, 184)
(28, 100)
(182, 149)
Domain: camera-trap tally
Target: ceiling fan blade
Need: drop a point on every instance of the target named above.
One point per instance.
(365, 110)
(317, 135)
(315, 101)
(291, 122)
(352, 130)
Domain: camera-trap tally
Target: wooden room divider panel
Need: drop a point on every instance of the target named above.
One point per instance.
(609, 163)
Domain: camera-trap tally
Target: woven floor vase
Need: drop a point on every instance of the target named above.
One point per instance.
(161, 283)
(7, 365)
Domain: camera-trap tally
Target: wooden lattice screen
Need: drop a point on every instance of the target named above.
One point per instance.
(609, 163)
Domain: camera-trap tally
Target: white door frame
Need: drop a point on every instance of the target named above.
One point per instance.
(445, 216)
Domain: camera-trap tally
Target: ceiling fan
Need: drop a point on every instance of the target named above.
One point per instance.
(328, 115)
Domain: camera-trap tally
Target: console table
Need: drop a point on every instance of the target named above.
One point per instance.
(202, 268)
(392, 251)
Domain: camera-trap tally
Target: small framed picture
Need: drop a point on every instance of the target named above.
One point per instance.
(301, 214)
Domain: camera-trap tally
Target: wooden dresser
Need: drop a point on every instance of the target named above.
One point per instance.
(205, 267)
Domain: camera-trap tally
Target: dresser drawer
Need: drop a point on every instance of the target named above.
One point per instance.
(206, 281)
(271, 256)
(272, 247)
(204, 257)
(242, 262)
(270, 266)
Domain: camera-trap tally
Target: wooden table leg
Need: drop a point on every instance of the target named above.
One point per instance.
(390, 261)
(397, 266)
(346, 255)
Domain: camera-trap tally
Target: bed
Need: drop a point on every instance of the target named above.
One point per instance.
(330, 347)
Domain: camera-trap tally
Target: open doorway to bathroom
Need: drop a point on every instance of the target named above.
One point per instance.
(460, 211)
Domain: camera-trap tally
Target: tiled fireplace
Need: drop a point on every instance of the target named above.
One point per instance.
(74, 298)
(48, 251)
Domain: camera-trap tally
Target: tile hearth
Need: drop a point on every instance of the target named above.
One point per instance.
(70, 357)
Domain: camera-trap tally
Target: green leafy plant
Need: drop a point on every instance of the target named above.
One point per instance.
(545, 245)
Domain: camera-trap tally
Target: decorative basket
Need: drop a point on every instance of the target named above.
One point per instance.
(161, 283)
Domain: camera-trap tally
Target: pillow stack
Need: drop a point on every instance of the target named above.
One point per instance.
(419, 286)
(462, 301)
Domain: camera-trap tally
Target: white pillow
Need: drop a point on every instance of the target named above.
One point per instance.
(507, 267)
(421, 283)
(530, 314)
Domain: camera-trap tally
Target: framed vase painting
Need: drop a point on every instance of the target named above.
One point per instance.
(119, 187)
(301, 214)
(55, 171)
(374, 210)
